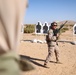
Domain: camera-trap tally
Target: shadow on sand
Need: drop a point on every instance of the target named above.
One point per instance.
(33, 60)
(67, 41)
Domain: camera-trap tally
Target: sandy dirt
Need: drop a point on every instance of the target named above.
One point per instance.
(37, 52)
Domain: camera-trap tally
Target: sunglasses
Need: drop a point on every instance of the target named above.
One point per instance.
(54, 25)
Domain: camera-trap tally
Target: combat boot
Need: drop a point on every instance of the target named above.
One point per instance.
(57, 60)
(45, 64)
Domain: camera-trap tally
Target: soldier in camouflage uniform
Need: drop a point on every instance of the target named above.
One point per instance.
(52, 44)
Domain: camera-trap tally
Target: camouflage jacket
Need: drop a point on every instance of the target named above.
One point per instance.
(51, 38)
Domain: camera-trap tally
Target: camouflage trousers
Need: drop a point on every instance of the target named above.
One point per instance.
(9, 64)
(51, 49)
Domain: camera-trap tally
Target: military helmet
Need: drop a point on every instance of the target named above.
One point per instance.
(53, 24)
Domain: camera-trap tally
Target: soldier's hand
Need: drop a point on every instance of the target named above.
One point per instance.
(57, 35)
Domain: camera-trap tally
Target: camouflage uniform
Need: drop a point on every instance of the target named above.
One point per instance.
(52, 46)
(11, 16)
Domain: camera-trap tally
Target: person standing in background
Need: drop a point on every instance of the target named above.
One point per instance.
(52, 44)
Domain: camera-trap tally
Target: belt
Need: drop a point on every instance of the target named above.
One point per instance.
(53, 40)
(51, 45)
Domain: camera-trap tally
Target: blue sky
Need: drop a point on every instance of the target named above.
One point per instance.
(50, 10)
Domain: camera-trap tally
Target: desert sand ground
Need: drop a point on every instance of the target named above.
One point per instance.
(37, 52)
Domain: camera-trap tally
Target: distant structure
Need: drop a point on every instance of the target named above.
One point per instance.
(45, 27)
(74, 29)
(74, 34)
(41, 28)
(22, 31)
(38, 28)
(22, 28)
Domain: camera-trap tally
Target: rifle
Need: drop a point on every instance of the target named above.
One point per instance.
(56, 31)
